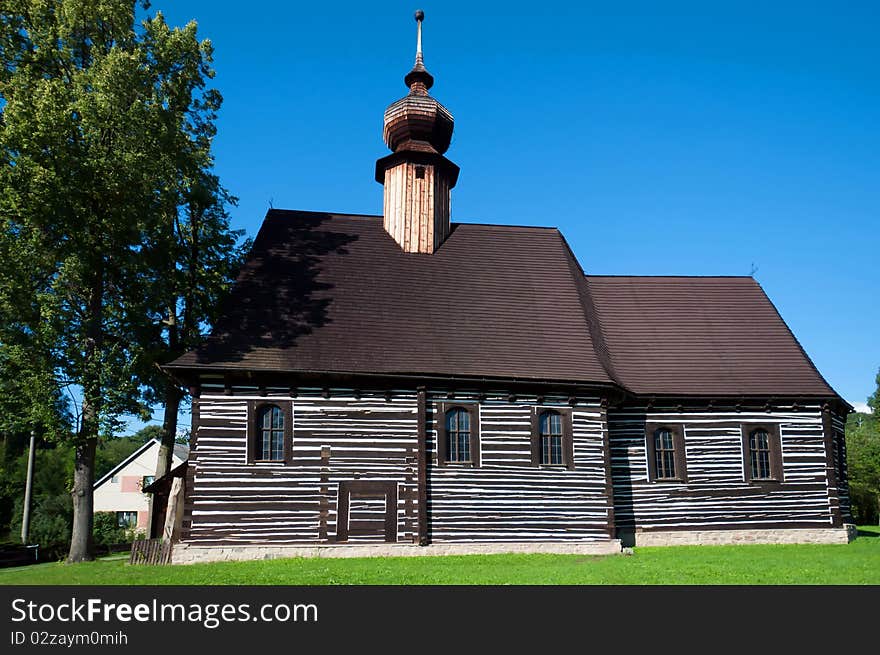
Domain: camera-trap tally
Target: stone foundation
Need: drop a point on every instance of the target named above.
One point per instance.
(733, 537)
(184, 553)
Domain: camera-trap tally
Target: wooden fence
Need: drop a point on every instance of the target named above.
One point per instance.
(150, 551)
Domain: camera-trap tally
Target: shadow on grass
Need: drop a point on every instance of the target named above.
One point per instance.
(861, 532)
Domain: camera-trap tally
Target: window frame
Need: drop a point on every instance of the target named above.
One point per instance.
(473, 410)
(127, 525)
(567, 439)
(254, 445)
(679, 454)
(777, 473)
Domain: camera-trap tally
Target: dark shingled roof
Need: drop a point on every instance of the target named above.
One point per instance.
(335, 293)
(700, 335)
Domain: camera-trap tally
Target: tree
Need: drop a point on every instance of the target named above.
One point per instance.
(863, 460)
(91, 144)
(193, 254)
(206, 259)
(51, 513)
(874, 398)
(146, 433)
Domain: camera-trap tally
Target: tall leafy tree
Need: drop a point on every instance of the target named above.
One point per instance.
(863, 460)
(91, 146)
(874, 398)
(207, 255)
(193, 254)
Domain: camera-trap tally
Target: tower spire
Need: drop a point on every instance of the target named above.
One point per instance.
(416, 177)
(419, 80)
(420, 16)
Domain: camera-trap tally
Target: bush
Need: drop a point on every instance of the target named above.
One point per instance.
(106, 531)
(51, 520)
(864, 504)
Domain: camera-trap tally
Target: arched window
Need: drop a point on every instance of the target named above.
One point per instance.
(762, 453)
(271, 435)
(458, 435)
(664, 454)
(551, 437)
(759, 455)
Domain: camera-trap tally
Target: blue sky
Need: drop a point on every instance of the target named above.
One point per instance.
(662, 138)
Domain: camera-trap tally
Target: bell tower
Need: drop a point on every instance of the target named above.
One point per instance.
(417, 178)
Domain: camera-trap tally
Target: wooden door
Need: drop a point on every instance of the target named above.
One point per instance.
(367, 511)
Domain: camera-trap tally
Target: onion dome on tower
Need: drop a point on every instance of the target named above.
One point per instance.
(417, 177)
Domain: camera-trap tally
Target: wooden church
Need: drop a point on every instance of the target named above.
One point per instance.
(406, 383)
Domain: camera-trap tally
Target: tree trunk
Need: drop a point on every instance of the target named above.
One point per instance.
(173, 396)
(172, 400)
(82, 547)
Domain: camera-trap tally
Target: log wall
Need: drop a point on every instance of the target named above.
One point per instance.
(506, 497)
(344, 438)
(336, 439)
(716, 495)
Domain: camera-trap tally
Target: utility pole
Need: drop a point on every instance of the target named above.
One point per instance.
(28, 491)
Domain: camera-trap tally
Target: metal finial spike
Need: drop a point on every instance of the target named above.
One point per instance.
(420, 16)
(419, 80)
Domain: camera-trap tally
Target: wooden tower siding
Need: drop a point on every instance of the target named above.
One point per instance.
(715, 495)
(416, 208)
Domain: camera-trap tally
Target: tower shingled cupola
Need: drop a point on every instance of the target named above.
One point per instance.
(417, 178)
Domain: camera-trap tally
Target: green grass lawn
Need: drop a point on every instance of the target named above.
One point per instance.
(855, 563)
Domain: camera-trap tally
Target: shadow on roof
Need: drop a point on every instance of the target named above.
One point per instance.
(277, 297)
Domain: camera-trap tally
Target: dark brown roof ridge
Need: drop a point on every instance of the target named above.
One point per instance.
(505, 226)
(661, 277)
(591, 315)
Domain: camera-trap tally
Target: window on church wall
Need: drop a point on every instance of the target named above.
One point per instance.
(666, 454)
(762, 453)
(550, 424)
(552, 443)
(270, 432)
(458, 434)
(759, 455)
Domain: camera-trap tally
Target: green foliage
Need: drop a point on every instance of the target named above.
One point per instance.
(855, 563)
(51, 518)
(112, 451)
(874, 398)
(147, 433)
(863, 465)
(107, 532)
(113, 229)
(51, 509)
